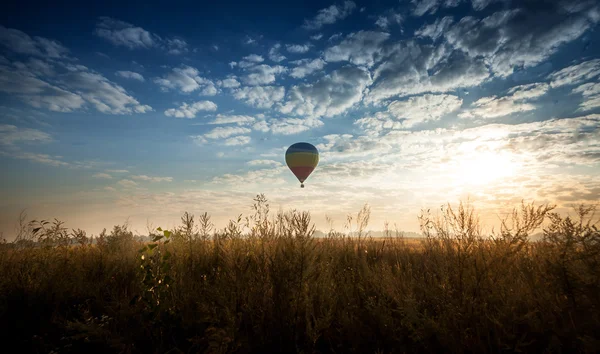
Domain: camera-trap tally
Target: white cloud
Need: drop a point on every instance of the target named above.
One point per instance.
(232, 119)
(317, 36)
(424, 108)
(184, 78)
(152, 179)
(38, 93)
(297, 48)
(260, 96)
(576, 74)
(209, 90)
(237, 140)
(226, 132)
(127, 183)
(110, 189)
(331, 95)
(263, 163)
(436, 29)
(412, 68)
(589, 89)
(389, 18)
(360, 48)
(522, 37)
(102, 175)
(20, 42)
(121, 33)
(130, 75)
(104, 95)
(274, 54)
(263, 74)
(306, 67)
(421, 7)
(255, 58)
(11, 135)
(190, 110)
(517, 101)
(229, 83)
(125, 34)
(330, 15)
(590, 103)
(290, 126)
(117, 171)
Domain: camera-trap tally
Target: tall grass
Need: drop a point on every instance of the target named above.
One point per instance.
(265, 284)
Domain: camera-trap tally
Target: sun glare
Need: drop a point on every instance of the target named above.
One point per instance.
(485, 168)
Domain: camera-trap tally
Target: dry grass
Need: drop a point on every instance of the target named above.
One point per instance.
(264, 284)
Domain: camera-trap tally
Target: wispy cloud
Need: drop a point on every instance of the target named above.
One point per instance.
(330, 15)
(130, 75)
(190, 110)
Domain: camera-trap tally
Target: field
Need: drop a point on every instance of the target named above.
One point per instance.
(264, 284)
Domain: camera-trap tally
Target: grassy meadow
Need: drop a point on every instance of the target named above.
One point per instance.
(264, 284)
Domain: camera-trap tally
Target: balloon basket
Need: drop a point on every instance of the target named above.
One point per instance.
(301, 185)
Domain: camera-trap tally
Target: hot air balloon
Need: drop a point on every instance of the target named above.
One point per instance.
(302, 158)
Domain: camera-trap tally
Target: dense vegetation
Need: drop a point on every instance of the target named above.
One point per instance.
(265, 284)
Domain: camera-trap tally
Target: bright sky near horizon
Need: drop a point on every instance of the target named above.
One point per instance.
(115, 110)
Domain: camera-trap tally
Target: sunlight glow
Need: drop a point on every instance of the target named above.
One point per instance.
(485, 168)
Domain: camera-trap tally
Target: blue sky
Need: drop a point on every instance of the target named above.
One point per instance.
(114, 110)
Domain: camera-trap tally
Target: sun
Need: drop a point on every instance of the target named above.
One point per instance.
(484, 168)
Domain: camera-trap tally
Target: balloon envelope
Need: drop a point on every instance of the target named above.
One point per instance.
(302, 158)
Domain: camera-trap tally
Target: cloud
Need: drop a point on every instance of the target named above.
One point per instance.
(226, 132)
(255, 58)
(263, 74)
(190, 110)
(127, 183)
(38, 93)
(524, 36)
(152, 179)
(130, 75)
(184, 78)
(436, 29)
(104, 95)
(20, 42)
(263, 163)
(330, 15)
(317, 36)
(331, 95)
(421, 7)
(389, 18)
(517, 101)
(360, 48)
(306, 67)
(124, 34)
(237, 140)
(274, 54)
(117, 171)
(260, 96)
(102, 175)
(110, 189)
(411, 68)
(591, 95)
(92, 88)
(290, 126)
(297, 48)
(210, 90)
(12, 135)
(229, 83)
(232, 119)
(575, 74)
(424, 108)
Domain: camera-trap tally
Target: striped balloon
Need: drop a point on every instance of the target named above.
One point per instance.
(302, 158)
